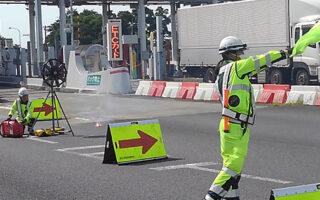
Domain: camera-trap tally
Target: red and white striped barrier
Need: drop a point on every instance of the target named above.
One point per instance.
(257, 90)
(172, 89)
(317, 103)
(143, 88)
(187, 90)
(204, 91)
(157, 88)
(273, 93)
(267, 93)
(305, 94)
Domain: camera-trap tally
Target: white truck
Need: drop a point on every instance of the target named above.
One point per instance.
(262, 24)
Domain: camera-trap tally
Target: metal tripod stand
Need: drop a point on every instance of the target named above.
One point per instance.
(54, 111)
(54, 74)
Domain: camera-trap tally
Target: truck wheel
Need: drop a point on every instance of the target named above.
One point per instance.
(209, 77)
(302, 77)
(276, 76)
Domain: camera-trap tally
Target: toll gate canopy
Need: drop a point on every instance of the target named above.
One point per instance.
(114, 2)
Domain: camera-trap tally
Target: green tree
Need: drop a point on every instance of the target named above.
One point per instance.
(165, 20)
(86, 28)
(54, 33)
(150, 21)
(128, 22)
(90, 23)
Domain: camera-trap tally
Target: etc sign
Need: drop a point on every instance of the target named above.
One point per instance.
(114, 42)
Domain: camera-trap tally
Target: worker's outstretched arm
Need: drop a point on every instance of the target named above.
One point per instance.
(253, 65)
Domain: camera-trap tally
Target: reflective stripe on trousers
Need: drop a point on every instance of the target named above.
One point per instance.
(230, 188)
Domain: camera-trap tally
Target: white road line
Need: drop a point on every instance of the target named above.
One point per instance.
(79, 148)
(35, 138)
(5, 107)
(197, 166)
(93, 155)
(80, 118)
(183, 166)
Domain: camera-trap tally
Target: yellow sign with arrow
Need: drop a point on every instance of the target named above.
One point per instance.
(43, 110)
(133, 142)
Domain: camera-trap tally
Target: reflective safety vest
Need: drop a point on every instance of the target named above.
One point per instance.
(235, 90)
(22, 109)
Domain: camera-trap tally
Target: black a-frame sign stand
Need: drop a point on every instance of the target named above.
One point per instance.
(109, 153)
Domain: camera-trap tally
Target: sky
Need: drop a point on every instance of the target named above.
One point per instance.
(17, 16)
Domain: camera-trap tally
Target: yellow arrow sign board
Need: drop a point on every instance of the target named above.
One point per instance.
(43, 110)
(133, 142)
(307, 192)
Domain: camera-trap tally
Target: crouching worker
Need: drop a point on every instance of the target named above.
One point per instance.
(21, 106)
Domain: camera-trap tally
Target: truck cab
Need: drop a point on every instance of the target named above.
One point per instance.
(305, 65)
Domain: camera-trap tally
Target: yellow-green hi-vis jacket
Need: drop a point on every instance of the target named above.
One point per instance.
(23, 111)
(234, 77)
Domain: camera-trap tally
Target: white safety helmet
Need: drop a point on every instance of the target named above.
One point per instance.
(23, 91)
(231, 43)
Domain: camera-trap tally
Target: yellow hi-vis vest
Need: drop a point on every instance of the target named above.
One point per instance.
(234, 77)
(22, 109)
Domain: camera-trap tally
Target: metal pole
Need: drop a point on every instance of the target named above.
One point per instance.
(33, 58)
(71, 22)
(64, 114)
(62, 11)
(160, 66)
(39, 34)
(142, 36)
(105, 16)
(174, 38)
(151, 59)
(131, 60)
(155, 63)
(1, 59)
(52, 103)
(23, 65)
(29, 59)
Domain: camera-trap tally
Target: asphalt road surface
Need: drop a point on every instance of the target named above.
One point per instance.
(283, 151)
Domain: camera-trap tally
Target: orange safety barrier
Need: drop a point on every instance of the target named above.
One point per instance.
(273, 93)
(157, 88)
(187, 90)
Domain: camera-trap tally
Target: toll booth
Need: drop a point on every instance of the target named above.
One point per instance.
(90, 70)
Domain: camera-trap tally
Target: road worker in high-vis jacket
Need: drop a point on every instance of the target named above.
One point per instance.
(21, 106)
(238, 111)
